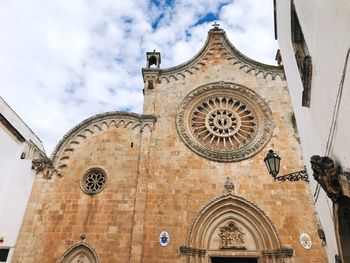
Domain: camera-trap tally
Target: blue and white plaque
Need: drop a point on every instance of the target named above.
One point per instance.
(164, 239)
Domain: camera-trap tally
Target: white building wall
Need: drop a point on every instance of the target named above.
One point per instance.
(325, 26)
(16, 175)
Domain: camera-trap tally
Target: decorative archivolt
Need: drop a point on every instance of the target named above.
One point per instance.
(224, 204)
(218, 42)
(80, 253)
(234, 226)
(61, 154)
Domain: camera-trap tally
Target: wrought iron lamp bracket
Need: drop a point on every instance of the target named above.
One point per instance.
(293, 177)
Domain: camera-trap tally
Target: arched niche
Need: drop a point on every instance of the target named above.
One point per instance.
(231, 226)
(80, 253)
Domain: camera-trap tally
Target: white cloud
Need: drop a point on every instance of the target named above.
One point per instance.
(63, 61)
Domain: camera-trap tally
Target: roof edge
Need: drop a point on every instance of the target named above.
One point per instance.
(20, 128)
(85, 123)
(234, 51)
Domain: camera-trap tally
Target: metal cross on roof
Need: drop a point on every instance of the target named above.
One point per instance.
(215, 25)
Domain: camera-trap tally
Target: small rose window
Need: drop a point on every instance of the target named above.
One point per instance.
(94, 181)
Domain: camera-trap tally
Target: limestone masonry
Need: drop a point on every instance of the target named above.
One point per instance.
(191, 165)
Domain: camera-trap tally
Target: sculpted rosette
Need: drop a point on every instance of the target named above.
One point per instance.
(224, 122)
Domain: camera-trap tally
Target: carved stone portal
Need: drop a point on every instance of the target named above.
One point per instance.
(228, 226)
(231, 236)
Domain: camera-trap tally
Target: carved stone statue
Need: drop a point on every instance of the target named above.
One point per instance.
(229, 186)
(326, 174)
(44, 166)
(336, 182)
(231, 236)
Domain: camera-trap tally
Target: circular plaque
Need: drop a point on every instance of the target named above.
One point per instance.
(224, 122)
(305, 241)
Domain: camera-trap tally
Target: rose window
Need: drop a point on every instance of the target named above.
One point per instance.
(93, 181)
(224, 122)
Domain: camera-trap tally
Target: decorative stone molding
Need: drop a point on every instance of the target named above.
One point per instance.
(94, 181)
(190, 251)
(232, 236)
(229, 186)
(334, 180)
(252, 216)
(150, 77)
(218, 42)
(325, 173)
(95, 124)
(229, 214)
(283, 252)
(224, 122)
(228, 199)
(45, 167)
(344, 179)
(80, 252)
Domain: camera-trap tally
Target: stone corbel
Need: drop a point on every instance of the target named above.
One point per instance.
(334, 180)
(45, 167)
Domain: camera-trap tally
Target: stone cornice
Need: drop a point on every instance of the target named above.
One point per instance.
(250, 62)
(218, 37)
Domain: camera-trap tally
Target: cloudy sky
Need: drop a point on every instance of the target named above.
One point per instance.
(64, 61)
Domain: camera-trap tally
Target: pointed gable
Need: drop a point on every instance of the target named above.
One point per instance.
(216, 49)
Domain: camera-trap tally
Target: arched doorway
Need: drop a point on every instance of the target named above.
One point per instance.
(230, 229)
(80, 253)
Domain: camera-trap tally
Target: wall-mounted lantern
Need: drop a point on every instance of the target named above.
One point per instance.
(273, 161)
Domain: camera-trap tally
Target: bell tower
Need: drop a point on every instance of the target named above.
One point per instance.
(151, 78)
(153, 59)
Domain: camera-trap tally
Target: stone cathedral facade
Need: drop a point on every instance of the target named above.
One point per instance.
(183, 182)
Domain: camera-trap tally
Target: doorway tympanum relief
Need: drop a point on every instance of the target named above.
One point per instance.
(232, 236)
(231, 226)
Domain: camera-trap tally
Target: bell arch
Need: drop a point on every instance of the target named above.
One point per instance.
(80, 253)
(231, 226)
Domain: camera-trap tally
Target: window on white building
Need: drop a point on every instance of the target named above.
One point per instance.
(302, 56)
(4, 252)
